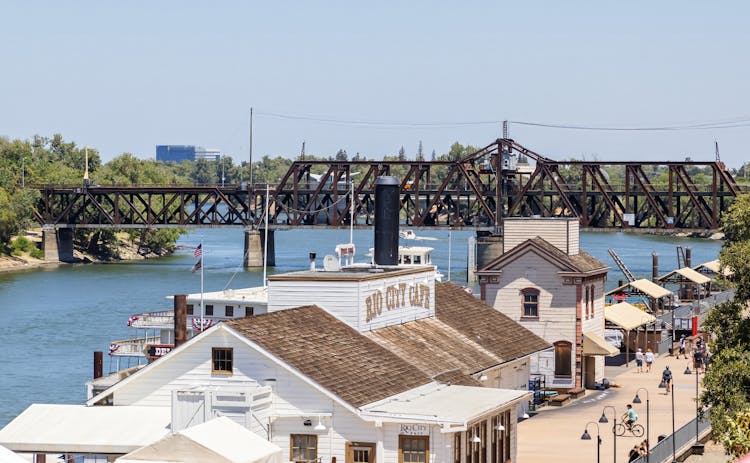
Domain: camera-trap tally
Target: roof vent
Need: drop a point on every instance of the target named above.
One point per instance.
(331, 264)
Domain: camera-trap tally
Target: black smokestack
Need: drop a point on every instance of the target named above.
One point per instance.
(386, 220)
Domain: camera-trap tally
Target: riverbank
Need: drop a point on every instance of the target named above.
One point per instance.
(125, 251)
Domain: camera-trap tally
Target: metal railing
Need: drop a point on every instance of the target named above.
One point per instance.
(684, 437)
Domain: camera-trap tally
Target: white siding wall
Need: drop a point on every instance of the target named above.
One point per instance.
(192, 367)
(596, 324)
(345, 427)
(347, 300)
(557, 304)
(560, 232)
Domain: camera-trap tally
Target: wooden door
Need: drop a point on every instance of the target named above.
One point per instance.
(360, 452)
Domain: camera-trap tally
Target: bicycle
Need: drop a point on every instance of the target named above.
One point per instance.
(635, 429)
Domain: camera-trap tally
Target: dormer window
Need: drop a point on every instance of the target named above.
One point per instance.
(530, 303)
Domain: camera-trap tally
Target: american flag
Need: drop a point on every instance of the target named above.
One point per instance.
(198, 251)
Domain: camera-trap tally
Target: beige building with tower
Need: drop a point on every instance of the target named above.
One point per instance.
(546, 283)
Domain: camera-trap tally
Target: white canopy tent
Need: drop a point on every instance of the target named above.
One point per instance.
(220, 440)
(45, 428)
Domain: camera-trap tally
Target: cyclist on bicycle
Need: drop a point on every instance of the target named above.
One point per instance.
(630, 417)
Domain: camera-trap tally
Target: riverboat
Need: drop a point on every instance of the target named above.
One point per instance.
(155, 330)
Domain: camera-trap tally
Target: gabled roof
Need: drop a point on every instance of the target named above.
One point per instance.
(487, 327)
(685, 273)
(466, 337)
(626, 316)
(332, 354)
(582, 262)
(644, 286)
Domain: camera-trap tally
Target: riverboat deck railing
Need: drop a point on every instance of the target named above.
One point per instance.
(132, 347)
(153, 320)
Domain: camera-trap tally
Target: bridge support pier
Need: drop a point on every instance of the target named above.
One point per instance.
(255, 243)
(57, 244)
(489, 247)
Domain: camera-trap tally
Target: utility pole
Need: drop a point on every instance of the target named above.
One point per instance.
(251, 147)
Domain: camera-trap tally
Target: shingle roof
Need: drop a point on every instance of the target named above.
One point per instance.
(582, 262)
(467, 336)
(332, 354)
(484, 325)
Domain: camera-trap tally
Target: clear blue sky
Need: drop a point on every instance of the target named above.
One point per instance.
(126, 76)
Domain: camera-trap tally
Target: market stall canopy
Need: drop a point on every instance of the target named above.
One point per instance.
(443, 404)
(593, 344)
(7, 456)
(627, 316)
(45, 428)
(685, 273)
(715, 267)
(220, 440)
(646, 287)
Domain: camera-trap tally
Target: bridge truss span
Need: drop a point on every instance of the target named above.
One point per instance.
(502, 179)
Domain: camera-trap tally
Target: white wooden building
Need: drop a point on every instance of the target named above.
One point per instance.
(551, 287)
(359, 365)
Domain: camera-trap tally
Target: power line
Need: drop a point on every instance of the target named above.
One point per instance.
(728, 123)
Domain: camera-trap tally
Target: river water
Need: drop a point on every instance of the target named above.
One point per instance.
(51, 320)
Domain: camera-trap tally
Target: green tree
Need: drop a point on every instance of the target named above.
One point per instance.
(727, 382)
(203, 174)
(402, 154)
(420, 152)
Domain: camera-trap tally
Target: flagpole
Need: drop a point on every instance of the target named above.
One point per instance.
(202, 309)
(265, 244)
(351, 215)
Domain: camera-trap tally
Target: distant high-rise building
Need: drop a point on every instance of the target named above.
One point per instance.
(209, 154)
(178, 153)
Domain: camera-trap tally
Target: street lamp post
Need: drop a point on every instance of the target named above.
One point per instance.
(637, 400)
(587, 436)
(697, 404)
(603, 419)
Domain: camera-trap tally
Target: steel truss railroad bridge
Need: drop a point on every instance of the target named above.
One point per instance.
(503, 179)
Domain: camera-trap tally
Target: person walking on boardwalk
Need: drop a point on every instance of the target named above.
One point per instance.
(639, 360)
(649, 358)
(682, 347)
(666, 377)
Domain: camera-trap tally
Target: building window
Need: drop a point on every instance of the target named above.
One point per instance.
(530, 301)
(500, 441)
(249, 311)
(476, 452)
(413, 449)
(209, 309)
(586, 301)
(222, 360)
(457, 447)
(190, 309)
(229, 310)
(562, 358)
(591, 299)
(303, 448)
